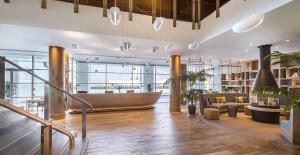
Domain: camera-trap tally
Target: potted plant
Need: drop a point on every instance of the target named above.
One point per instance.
(190, 95)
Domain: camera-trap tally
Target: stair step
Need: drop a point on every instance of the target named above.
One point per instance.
(11, 132)
(24, 145)
(8, 117)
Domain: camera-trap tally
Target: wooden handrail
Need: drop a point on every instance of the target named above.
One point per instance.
(38, 119)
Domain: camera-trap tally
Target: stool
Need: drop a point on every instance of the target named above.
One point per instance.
(211, 113)
(247, 110)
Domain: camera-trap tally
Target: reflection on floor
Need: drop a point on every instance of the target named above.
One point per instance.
(158, 132)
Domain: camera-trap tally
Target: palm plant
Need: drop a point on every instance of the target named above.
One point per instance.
(284, 59)
(191, 78)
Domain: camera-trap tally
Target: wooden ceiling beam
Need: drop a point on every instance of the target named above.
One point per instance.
(199, 4)
(104, 8)
(217, 8)
(130, 9)
(193, 14)
(153, 10)
(174, 12)
(76, 6)
(44, 4)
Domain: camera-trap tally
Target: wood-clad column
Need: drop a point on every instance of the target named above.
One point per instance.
(2, 78)
(57, 63)
(175, 68)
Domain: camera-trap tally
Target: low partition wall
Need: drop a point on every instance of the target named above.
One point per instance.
(115, 101)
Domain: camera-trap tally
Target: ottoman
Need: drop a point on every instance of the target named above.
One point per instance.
(247, 110)
(211, 113)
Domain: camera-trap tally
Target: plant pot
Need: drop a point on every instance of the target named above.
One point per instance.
(192, 109)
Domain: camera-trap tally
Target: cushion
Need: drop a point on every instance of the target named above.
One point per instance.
(208, 102)
(218, 99)
(223, 99)
(239, 99)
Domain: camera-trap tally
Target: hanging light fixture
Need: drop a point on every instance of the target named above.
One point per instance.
(125, 47)
(248, 23)
(193, 46)
(114, 14)
(155, 49)
(158, 23)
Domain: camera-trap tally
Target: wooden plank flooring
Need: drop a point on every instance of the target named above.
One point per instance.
(159, 132)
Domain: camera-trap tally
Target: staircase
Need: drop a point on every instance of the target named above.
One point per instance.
(20, 135)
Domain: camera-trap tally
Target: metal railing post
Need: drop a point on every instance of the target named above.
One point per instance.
(46, 140)
(83, 112)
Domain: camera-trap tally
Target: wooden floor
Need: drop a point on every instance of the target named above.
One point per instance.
(159, 132)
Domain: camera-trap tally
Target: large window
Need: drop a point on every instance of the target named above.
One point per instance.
(121, 78)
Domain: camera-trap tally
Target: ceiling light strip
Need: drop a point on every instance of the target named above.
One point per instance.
(174, 12)
(217, 8)
(44, 4)
(104, 8)
(76, 6)
(153, 10)
(7, 1)
(130, 9)
(193, 14)
(199, 13)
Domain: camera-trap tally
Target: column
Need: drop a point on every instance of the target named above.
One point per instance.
(175, 68)
(2, 78)
(57, 74)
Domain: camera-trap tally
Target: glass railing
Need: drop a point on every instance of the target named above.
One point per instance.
(36, 101)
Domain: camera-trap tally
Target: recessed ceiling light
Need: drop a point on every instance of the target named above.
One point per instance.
(158, 23)
(287, 40)
(276, 47)
(251, 44)
(247, 50)
(155, 49)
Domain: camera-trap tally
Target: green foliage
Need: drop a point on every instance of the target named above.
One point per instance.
(284, 59)
(293, 100)
(191, 78)
(190, 95)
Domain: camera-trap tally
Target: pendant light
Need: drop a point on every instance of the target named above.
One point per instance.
(115, 15)
(158, 23)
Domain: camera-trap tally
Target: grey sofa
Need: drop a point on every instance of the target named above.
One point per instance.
(223, 107)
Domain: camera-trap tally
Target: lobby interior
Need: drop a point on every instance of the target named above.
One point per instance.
(211, 77)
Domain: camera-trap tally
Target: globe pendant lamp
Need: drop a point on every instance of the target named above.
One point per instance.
(114, 14)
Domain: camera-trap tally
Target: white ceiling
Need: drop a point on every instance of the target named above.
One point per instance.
(24, 26)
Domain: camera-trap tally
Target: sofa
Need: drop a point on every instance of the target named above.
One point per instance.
(209, 101)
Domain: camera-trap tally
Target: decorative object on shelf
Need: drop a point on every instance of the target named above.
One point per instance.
(248, 24)
(193, 46)
(158, 22)
(114, 15)
(155, 49)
